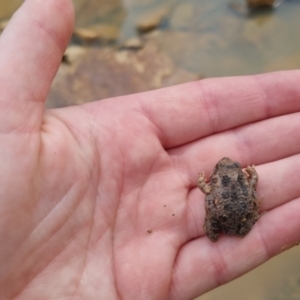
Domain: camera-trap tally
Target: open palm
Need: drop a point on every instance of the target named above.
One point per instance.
(100, 201)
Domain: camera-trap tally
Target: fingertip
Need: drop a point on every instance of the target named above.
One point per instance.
(55, 17)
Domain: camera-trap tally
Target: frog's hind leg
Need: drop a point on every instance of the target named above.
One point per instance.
(212, 228)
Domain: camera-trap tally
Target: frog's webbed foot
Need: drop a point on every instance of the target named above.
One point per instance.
(202, 185)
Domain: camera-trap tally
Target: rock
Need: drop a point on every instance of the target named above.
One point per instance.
(73, 54)
(101, 32)
(134, 43)
(105, 72)
(151, 20)
(260, 3)
(250, 6)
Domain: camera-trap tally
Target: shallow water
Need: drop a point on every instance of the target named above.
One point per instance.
(204, 36)
(208, 38)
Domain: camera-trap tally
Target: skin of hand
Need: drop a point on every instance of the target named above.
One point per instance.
(99, 201)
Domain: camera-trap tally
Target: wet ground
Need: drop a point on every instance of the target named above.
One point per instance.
(194, 39)
(128, 46)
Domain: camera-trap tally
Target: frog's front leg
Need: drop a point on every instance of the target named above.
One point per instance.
(202, 185)
(252, 176)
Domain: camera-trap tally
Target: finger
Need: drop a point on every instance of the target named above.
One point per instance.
(190, 111)
(278, 184)
(252, 144)
(31, 49)
(202, 265)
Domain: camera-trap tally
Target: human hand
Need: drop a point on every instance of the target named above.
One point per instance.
(99, 201)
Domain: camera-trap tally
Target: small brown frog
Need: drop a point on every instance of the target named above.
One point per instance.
(231, 203)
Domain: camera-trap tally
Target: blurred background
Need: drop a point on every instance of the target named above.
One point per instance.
(121, 47)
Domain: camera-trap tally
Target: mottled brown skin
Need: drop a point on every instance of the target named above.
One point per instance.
(231, 203)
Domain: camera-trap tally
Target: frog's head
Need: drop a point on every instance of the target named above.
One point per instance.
(228, 164)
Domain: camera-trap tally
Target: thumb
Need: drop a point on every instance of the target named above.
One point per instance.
(31, 48)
